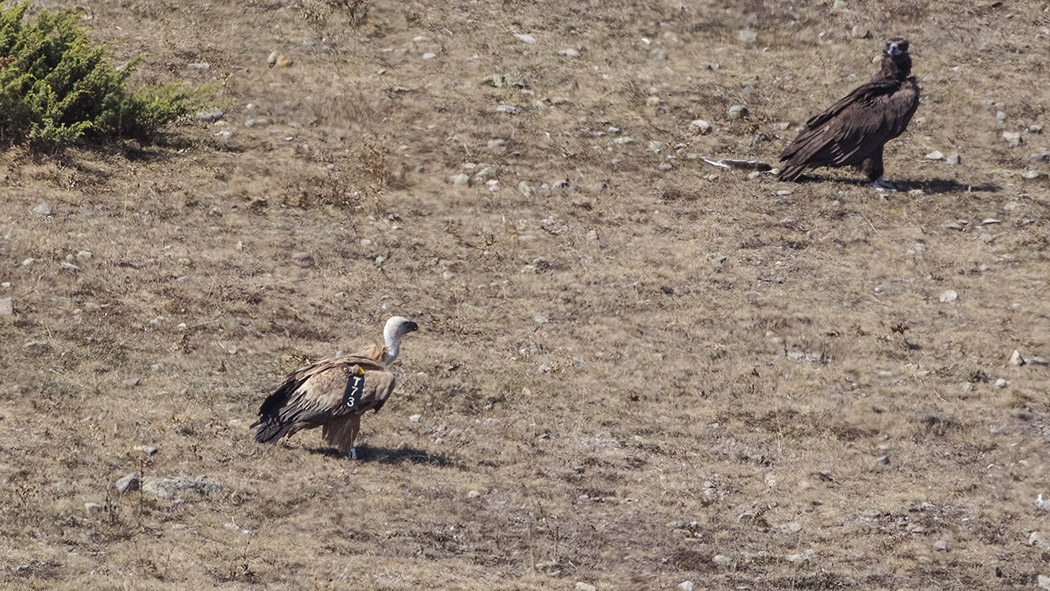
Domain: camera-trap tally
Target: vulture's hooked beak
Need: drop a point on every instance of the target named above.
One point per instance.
(411, 327)
(893, 49)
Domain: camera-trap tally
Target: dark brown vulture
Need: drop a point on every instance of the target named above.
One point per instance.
(852, 131)
(334, 393)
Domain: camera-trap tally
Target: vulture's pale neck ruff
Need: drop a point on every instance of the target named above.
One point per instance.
(396, 328)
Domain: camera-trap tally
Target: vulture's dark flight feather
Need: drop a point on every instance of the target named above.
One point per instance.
(853, 131)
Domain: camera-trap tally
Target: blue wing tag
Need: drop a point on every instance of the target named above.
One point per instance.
(355, 387)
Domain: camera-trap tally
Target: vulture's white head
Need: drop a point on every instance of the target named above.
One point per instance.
(396, 328)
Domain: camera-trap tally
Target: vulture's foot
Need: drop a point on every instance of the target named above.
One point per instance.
(352, 454)
(882, 184)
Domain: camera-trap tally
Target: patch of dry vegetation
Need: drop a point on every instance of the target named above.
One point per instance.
(638, 370)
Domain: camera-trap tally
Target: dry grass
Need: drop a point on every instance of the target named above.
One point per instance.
(713, 352)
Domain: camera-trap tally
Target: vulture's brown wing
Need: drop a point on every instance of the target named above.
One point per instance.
(853, 128)
(322, 391)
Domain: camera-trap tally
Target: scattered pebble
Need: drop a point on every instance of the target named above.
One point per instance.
(883, 459)
(1016, 359)
(415, 418)
(473, 494)
(172, 488)
(460, 180)
(1035, 128)
(128, 483)
(702, 127)
(747, 36)
(7, 307)
(949, 296)
(738, 112)
(525, 38)
(42, 209)
(1012, 137)
(508, 109)
(1033, 174)
(581, 586)
(209, 116)
(448, 275)
(941, 545)
(685, 586)
(429, 55)
(569, 52)
(93, 507)
(304, 259)
(935, 155)
(70, 266)
(722, 560)
(1001, 383)
(272, 60)
(497, 143)
(1039, 361)
(859, 32)
(1043, 582)
(954, 160)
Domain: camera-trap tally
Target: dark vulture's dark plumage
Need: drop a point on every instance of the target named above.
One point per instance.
(852, 131)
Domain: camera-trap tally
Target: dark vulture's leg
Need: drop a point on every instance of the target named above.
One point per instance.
(872, 168)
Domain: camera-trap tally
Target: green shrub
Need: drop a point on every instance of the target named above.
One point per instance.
(56, 87)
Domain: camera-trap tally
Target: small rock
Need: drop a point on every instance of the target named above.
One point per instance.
(447, 275)
(990, 221)
(1039, 361)
(659, 54)
(1043, 582)
(508, 109)
(883, 460)
(738, 112)
(1033, 174)
(702, 127)
(526, 38)
(1039, 157)
(42, 209)
(685, 586)
(70, 267)
(838, 5)
(1016, 359)
(128, 483)
(1038, 540)
(224, 134)
(721, 560)
(85, 254)
(524, 189)
(941, 545)
(540, 319)
(569, 52)
(304, 259)
(1001, 383)
(202, 66)
(581, 586)
(172, 488)
(149, 450)
(7, 307)
(665, 166)
(954, 160)
(473, 494)
(93, 507)
(859, 32)
(935, 155)
(209, 116)
(1035, 129)
(429, 55)
(415, 418)
(28, 262)
(497, 143)
(747, 36)
(1000, 116)
(460, 180)
(1012, 137)
(949, 296)
(272, 60)
(987, 238)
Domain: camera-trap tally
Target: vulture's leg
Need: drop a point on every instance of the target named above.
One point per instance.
(355, 428)
(872, 168)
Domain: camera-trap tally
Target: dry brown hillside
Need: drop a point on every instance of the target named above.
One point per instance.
(634, 369)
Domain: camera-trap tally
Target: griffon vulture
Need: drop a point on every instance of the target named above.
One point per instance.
(334, 393)
(852, 131)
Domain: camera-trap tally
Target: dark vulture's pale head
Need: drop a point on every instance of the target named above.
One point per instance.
(896, 46)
